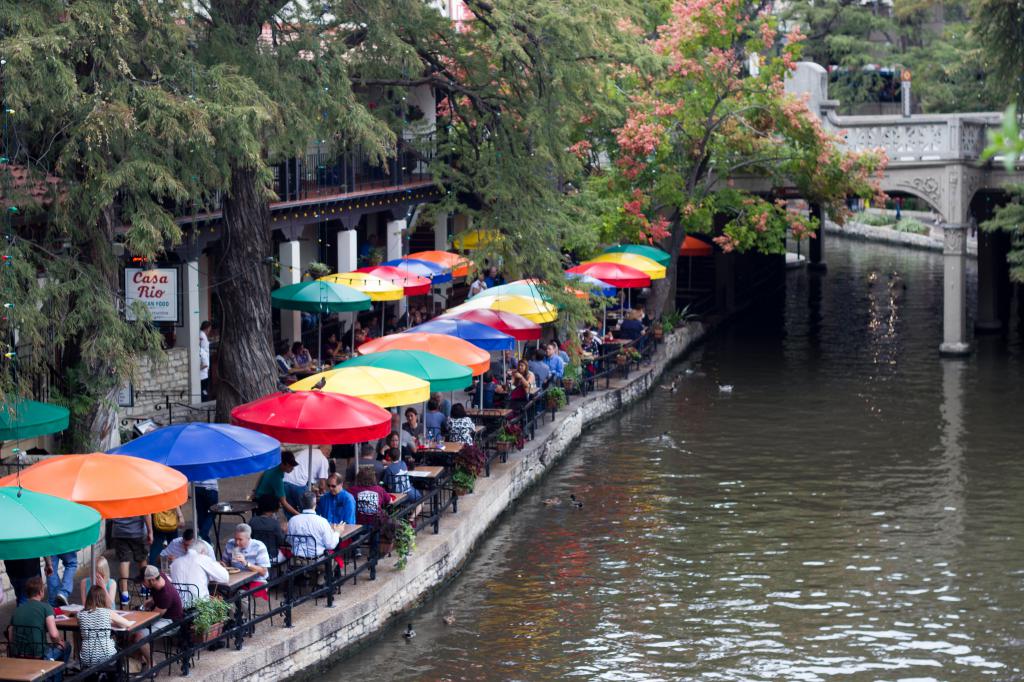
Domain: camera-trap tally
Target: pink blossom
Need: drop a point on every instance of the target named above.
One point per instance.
(727, 244)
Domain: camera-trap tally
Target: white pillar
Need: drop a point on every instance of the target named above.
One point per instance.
(348, 252)
(954, 295)
(191, 328)
(441, 232)
(291, 273)
(395, 228)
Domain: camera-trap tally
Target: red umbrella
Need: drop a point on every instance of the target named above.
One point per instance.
(414, 285)
(621, 276)
(516, 326)
(312, 417)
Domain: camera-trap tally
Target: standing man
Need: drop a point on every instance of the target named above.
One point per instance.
(131, 535)
(554, 362)
(207, 495)
(59, 585)
(272, 482)
(300, 479)
(205, 329)
(20, 571)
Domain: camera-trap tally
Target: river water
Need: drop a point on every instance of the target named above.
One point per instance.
(852, 510)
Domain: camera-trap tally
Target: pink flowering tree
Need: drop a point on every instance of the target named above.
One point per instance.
(701, 123)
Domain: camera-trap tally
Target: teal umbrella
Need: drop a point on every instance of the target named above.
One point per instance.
(28, 419)
(441, 373)
(38, 525)
(321, 297)
(652, 252)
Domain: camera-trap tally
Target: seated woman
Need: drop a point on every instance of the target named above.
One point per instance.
(94, 622)
(524, 385)
(284, 364)
(302, 361)
(370, 498)
(86, 581)
(332, 351)
(461, 428)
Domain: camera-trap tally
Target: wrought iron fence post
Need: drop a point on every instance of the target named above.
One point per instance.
(239, 623)
(289, 591)
(329, 578)
(167, 406)
(374, 552)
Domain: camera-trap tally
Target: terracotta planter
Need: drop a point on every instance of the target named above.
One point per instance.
(211, 634)
(386, 548)
(462, 492)
(659, 333)
(503, 446)
(621, 360)
(568, 385)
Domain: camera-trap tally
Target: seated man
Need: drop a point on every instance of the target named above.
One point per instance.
(336, 505)
(324, 537)
(245, 553)
(554, 362)
(396, 477)
(164, 600)
(366, 459)
(197, 567)
(539, 368)
(33, 630)
(179, 546)
(267, 528)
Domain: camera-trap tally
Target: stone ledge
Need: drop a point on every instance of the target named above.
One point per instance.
(885, 235)
(321, 635)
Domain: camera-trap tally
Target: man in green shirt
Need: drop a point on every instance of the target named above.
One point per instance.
(272, 482)
(33, 630)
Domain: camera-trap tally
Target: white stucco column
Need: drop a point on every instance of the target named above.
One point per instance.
(954, 295)
(291, 273)
(441, 232)
(395, 229)
(191, 327)
(348, 252)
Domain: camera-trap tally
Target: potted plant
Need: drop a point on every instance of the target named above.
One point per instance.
(572, 374)
(463, 482)
(316, 270)
(470, 458)
(633, 354)
(387, 530)
(555, 398)
(211, 614)
(509, 436)
(622, 358)
(405, 542)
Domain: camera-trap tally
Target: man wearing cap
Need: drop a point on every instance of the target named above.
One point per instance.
(164, 600)
(272, 482)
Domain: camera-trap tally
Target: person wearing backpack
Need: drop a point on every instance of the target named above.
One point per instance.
(165, 531)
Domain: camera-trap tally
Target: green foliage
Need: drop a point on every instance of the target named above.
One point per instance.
(209, 612)
(463, 480)
(876, 219)
(999, 29)
(405, 543)
(1010, 219)
(316, 270)
(556, 396)
(912, 226)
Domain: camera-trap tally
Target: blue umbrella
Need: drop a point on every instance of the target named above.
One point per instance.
(424, 268)
(602, 287)
(480, 335)
(203, 451)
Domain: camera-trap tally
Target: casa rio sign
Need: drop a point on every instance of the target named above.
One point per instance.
(156, 289)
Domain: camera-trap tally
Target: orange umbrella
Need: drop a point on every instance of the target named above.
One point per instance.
(459, 265)
(695, 247)
(117, 486)
(448, 347)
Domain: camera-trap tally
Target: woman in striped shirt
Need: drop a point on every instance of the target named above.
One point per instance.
(95, 622)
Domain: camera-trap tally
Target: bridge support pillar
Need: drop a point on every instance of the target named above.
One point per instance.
(954, 295)
(816, 246)
(988, 285)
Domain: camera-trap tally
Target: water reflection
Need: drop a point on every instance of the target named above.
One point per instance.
(851, 511)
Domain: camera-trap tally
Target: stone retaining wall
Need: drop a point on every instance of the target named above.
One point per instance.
(321, 635)
(886, 235)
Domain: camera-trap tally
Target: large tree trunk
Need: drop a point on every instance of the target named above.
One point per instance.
(246, 359)
(663, 291)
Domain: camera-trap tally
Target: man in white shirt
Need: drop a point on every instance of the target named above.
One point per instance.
(309, 523)
(197, 567)
(178, 547)
(298, 480)
(204, 359)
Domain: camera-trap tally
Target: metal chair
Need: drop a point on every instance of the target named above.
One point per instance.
(188, 593)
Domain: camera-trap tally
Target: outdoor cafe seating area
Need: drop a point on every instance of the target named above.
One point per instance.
(62, 503)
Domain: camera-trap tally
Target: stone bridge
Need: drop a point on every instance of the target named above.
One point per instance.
(936, 158)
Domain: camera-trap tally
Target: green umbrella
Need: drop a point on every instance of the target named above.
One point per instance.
(655, 254)
(319, 296)
(517, 288)
(443, 374)
(38, 525)
(28, 419)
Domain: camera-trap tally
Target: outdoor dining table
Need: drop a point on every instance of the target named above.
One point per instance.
(28, 669)
(443, 454)
(230, 508)
(488, 412)
(431, 479)
(138, 619)
(236, 580)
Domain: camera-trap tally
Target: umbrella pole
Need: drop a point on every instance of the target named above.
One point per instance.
(92, 560)
(355, 317)
(309, 471)
(320, 338)
(481, 391)
(195, 512)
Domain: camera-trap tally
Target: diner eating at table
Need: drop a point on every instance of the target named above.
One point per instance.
(198, 568)
(246, 553)
(95, 621)
(311, 535)
(370, 497)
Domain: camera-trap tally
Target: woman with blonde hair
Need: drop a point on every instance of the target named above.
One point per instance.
(102, 579)
(94, 624)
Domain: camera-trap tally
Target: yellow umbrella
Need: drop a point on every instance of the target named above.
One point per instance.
(474, 239)
(376, 288)
(383, 387)
(533, 309)
(651, 268)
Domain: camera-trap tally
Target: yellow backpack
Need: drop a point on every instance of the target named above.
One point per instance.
(166, 520)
